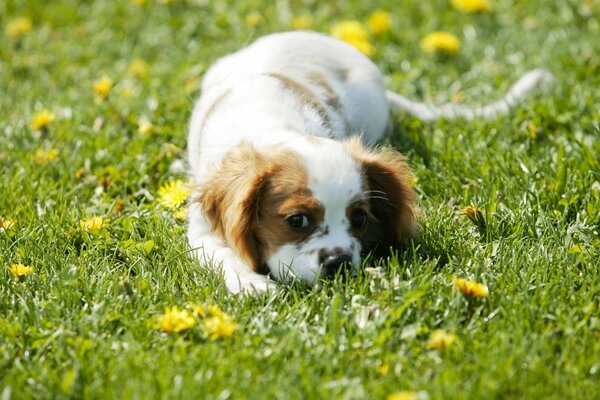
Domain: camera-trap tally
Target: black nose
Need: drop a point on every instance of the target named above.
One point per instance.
(332, 263)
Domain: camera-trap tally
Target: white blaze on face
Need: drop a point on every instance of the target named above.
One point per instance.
(334, 179)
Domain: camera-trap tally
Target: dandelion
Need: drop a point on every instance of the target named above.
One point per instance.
(42, 157)
(443, 43)
(139, 2)
(440, 339)
(475, 214)
(470, 288)
(191, 84)
(21, 270)
(354, 33)
(145, 127)
(7, 224)
(42, 119)
(302, 22)
(176, 320)
(138, 68)
(92, 224)
(103, 86)
(403, 395)
(383, 369)
(472, 6)
(253, 19)
(17, 28)
(173, 194)
(180, 214)
(126, 92)
(219, 326)
(379, 22)
(205, 310)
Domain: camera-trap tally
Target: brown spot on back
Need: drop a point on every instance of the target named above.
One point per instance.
(303, 92)
(331, 97)
(215, 105)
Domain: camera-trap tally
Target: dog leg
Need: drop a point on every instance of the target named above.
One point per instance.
(212, 252)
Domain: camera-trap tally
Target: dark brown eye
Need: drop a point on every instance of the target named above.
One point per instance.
(298, 221)
(358, 219)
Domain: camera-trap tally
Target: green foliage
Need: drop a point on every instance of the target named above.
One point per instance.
(83, 325)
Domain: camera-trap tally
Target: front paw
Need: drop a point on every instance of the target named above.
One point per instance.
(251, 285)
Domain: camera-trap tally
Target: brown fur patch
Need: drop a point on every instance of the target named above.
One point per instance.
(211, 109)
(286, 194)
(305, 94)
(393, 201)
(331, 97)
(248, 197)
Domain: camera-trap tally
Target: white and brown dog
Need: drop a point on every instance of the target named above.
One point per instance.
(285, 186)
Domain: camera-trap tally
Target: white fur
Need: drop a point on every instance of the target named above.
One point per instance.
(255, 108)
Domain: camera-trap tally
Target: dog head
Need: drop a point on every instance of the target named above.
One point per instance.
(310, 207)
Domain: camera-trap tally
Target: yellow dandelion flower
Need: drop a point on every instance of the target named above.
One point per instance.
(17, 28)
(440, 43)
(379, 22)
(191, 84)
(20, 270)
(470, 288)
(92, 224)
(472, 6)
(145, 127)
(103, 86)
(402, 395)
(176, 320)
(253, 19)
(180, 214)
(354, 33)
(302, 22)
(7, 224)
(80, 173)
(383, 369)
(42, 157)
(219, 326)
(173, 194)
(440, 339)
(126, 92)
(471, 211)
(475, 214)
(139, 2)
(207, 310)
(138, 68)
(42, 119)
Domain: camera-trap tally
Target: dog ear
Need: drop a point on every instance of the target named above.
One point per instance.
(229, 199)
(393, 201)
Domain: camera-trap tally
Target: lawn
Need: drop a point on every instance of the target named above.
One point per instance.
(94, 101)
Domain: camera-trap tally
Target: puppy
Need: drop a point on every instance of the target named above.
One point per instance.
(286, 185)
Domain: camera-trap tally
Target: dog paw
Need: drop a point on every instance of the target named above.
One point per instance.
(251, 285)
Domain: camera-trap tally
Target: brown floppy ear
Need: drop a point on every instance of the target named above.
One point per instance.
(392, 199)
(229, 199)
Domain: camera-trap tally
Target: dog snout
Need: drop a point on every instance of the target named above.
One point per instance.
(332, 263)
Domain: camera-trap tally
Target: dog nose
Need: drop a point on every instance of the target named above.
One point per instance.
(332, 263)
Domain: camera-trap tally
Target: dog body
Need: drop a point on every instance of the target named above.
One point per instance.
(284, 185)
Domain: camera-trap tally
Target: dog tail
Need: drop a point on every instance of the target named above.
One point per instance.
(428, 112)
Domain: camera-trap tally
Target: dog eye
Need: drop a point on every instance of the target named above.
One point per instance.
(358, 219)
(298, 221)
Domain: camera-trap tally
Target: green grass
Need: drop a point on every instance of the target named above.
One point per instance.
(73, 330)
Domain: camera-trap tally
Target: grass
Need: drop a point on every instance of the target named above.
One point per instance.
(84, 324)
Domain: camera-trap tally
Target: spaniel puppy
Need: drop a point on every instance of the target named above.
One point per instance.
(286, 186)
